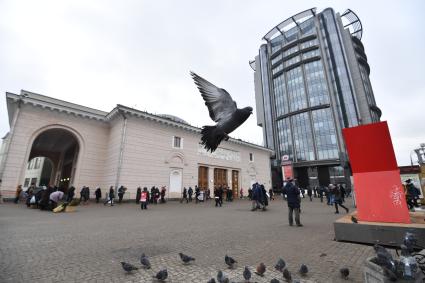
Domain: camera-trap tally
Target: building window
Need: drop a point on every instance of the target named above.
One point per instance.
(251, 157)
(27, 182)
(37, 163)
(34, 181)
(177, 142)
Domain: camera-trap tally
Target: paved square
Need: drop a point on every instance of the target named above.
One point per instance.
(87, 245)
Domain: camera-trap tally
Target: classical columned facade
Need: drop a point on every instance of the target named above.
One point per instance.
(125, 146)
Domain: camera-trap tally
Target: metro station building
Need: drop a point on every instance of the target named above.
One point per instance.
(89, 147)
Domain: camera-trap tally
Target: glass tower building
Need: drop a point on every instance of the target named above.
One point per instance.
(312, 80)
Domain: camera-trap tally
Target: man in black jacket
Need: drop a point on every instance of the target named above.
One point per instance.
(294, 201)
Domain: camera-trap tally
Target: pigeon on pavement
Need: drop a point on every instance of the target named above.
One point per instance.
(229, 261)
(128, 267)
(212, 280)
(161, 275)
(354, 219)
(246, 274)
(303, 270)
(280, 265)
(344, 272)
(261, 268)
(274, 280)
(145, 261)
(222, 109)
(185, 258)
(287, 275)
(383, 257)
(221, 278)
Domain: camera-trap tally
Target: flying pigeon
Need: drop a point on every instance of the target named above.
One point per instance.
(222, 109)
(344, 272)
(185, 258)
(145, 261)
(287, 275)
(354, 219)
(161, 275)
(274, 280)
(261, 268)
(128, 267)
(246, 274)
(229, 261)
(303, 270)
(280, 265)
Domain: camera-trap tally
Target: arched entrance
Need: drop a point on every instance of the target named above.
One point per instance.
(62, 148)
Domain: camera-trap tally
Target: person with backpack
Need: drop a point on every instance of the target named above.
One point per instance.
(144, 198)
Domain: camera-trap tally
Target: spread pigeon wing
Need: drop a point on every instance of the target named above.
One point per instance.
(219, 102)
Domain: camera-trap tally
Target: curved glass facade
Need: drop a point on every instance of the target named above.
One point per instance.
(309, 94)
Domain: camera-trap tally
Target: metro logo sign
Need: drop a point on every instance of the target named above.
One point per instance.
(379, 193)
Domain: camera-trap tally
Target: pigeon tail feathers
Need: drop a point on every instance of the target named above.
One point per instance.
(212, 137)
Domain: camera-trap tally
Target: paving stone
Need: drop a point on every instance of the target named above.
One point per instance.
(88, 245)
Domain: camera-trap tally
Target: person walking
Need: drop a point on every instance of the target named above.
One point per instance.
(144, 198)
(98, 194)
(18, 193)
(337, 198)
(71, 193)
(197, 192)
(271, 194)
(163, 190)
(111, 196)
(309, 193)
(121, 192)
(190, 193)
(138, 194)
(321, 192)
(257, 197)
(294, 202)
(241, 194)
(342, 190)
(184, 196)
(218, 195)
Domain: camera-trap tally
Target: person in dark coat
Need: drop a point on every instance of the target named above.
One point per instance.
(412, 194)
(184, 197)
(152, 195)
(309, 193)
(337, 197)
(163, 190)
(98, 194)
(264, 198)
(121, 192)
(111, 196)
(294, 201)
(257, 197)
(71, 193)
(197, 193)
(138, 194)
(218, 195)
(190, 193)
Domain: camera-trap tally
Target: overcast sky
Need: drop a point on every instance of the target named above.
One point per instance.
(139, 54)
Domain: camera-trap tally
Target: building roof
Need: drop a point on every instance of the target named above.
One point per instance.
(38, 100)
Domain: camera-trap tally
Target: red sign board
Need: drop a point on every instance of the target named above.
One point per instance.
(287, 171)
(379, 192)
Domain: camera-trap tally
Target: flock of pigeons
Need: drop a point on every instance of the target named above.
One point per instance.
(280, 266)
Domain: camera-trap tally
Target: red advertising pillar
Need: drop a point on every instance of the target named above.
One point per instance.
(379, 193)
